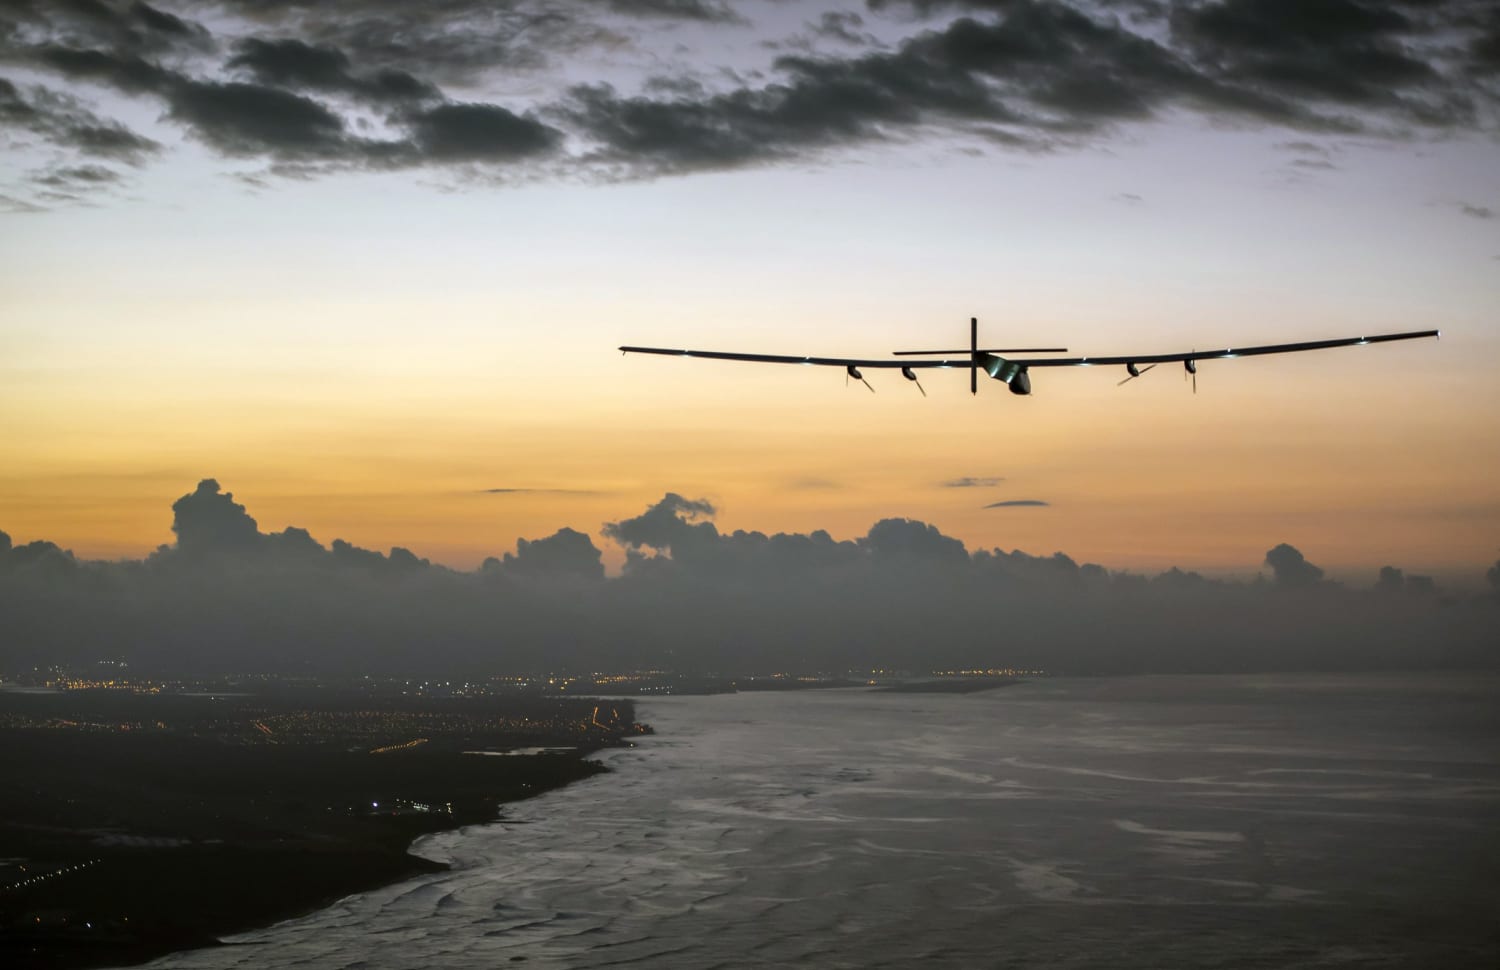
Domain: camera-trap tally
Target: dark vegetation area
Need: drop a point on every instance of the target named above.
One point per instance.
(132, 825)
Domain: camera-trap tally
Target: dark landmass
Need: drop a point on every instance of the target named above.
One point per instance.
(134, 825)
(949, 685)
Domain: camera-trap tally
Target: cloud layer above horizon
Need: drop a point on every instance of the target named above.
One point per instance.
(226, 596)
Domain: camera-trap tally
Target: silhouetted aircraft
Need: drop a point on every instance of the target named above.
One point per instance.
(1014, 372)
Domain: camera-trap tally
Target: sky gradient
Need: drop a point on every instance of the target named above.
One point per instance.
(368, 270)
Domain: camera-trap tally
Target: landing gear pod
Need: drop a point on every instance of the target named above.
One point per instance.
(1009, 372)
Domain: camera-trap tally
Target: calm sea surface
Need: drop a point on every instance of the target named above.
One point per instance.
(1193, 822)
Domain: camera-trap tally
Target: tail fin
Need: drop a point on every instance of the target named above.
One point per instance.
(973, 355)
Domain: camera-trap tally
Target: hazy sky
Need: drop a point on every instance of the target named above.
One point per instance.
(367, 263)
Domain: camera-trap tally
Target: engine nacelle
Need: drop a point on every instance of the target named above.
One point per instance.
(1021, 383)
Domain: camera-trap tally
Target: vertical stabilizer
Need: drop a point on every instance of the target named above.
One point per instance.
(973, 355)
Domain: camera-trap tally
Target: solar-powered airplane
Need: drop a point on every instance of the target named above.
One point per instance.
(1014, 372)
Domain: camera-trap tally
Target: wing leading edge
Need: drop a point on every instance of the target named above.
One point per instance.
(1228, 352)
(1012, 371)
(785, 359)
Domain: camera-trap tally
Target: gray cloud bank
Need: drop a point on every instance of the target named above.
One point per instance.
(226, 596)
(314, 88)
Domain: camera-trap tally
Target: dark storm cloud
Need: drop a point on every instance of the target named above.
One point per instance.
(459, 41)
(228, 597)
(250, 120)
(62, 121)
(1363, 55)
(1477, 211)
(135, 26)
(82, 174)
(721, 12)
(844, 26)
(244, 119)
(479, 133)
(972, 482)
(292, 63)
(1019, 503)
(1040, 71)
(293, 83)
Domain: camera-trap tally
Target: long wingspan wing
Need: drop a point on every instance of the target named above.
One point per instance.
(1228, 352)
(1013, 371)
(814, 361)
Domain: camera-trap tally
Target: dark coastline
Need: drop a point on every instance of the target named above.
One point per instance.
(121, 847)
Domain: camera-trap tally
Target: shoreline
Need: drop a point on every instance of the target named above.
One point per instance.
(192, 897)
(121, 846)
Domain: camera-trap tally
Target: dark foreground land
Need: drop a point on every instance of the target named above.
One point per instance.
(133, 825)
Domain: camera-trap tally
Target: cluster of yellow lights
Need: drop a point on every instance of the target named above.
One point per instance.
(33, 880)
(85, 683)
(404, 746)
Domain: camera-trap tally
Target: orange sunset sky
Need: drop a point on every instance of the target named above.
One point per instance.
(372, 351)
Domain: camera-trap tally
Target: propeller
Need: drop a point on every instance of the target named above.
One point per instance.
(1134, 372)
(852, 371)
(1190, 366)
(907, 373)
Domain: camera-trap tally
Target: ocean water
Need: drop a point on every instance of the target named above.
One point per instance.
(1194, 822)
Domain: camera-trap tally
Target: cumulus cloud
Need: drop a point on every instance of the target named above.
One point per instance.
(207, 520)
(670, 524)
(908, 539)
(1291, 569)
(565, 553)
